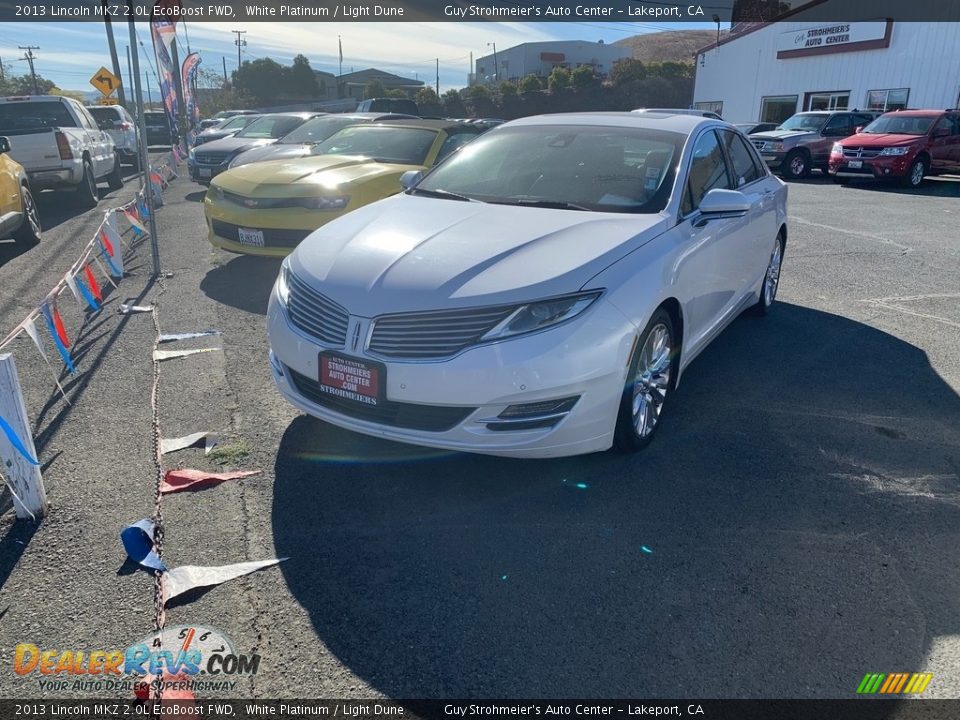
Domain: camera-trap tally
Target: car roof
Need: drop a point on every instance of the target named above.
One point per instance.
(681, 123)
(302, 115)
(917, 113)
(427, 124)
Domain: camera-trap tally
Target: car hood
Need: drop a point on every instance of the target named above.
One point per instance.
(308, 176)
(210, 135)
(277, 151)
(408, 253)
(782, 135)
(233, 144)
(882, 140)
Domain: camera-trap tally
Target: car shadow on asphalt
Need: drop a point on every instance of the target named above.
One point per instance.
(793, 527)
(244, 282)
(195, 196)
(932, 187)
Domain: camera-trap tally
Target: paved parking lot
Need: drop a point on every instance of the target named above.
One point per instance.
(801, 506)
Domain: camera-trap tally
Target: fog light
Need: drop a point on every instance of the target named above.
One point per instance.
(275, 363)
(530, 416)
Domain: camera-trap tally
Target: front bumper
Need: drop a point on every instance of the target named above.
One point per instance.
(203, 173)
(772, 159)
(891, 166)
(585, 358)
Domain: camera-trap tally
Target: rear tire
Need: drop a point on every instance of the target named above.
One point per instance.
(29, 231)
(87, 189)
(771, 278)
(650, 380)
(115, 178)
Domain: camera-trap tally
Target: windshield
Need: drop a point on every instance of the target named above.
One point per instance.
(405, 146)
(234, 123)
(17, 116)
(809, 123)
(604, 169)
(270, 126)
(900, 125)
(316, 130)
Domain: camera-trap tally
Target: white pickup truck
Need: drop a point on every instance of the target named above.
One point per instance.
(60, 145)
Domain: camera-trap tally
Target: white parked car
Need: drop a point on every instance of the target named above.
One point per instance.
(60, 144)
(538, 294)
(119, 125)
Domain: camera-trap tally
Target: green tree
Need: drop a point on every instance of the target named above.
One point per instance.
(531, 83)
(453, 104)
(428, 102)
(301, 80)
(23, 84)
(559, 79)
(583, 78)
(262, 80)
(396, 93)
(374, 89)
(479, 100)
(626, 71)
(507, 89)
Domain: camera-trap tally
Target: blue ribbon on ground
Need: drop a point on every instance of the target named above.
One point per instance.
(16, 442)
(137, 540)
(64, 353)
(87, 295)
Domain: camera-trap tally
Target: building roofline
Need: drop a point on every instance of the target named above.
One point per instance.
(759, 25)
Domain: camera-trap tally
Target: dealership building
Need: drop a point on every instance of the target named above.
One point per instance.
(769, 71)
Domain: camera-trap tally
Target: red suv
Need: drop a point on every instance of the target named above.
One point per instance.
(905, 144)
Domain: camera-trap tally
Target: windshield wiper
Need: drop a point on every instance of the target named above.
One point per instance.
(442, 194)
(556, 204)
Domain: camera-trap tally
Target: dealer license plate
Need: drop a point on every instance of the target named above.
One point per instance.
(855, 164)
(250, 237)
(204, 172)
(351, 378)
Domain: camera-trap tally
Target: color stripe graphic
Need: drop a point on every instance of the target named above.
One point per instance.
(894, 683)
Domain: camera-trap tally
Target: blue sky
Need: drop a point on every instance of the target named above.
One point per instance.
(71, 52)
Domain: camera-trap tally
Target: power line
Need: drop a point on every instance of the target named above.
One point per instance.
(29, 56)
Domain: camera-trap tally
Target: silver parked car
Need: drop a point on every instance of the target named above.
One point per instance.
(119, 125)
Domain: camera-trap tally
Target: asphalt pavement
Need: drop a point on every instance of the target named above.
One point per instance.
(793, 527)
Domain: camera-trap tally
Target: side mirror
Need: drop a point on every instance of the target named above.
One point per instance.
(4, 145)
(719, 204)
(858, 129)
(941, 132)
(410, 178)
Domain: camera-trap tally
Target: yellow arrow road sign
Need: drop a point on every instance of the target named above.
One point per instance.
(105, 81)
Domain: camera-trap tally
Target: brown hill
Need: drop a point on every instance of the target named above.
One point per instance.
(677, 45)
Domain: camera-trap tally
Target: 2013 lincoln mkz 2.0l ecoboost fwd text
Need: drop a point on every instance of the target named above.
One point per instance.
(537, 294)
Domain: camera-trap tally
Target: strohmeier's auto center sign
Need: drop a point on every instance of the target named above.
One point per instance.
(833, 37)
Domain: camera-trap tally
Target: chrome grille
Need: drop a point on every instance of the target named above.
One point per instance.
(210, 158)
(316, 315)
(758, 144)
(433, 334)
(860, 152)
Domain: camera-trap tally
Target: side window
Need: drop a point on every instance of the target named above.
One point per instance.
(708, 171)
(744, 169)
(862, 120)
(839, 125)
(86, 119)
(944, 123)
(453, 142)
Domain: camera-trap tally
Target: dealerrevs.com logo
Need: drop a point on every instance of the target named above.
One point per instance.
(199, 658)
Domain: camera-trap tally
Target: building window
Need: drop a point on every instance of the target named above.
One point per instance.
(884, 100)
(828, 100)
(778, 108)
(711, 105)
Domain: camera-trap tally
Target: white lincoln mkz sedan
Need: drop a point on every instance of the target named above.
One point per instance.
(539, 293)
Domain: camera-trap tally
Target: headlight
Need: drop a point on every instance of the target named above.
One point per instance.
(895, 150)
(283, 285)
(324, 202)
(214, 193)
(837, 149)
(773, 146)
(234, 163)
(193, 154)
(539, 315)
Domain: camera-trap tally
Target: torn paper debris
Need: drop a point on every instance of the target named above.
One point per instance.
(169, 445)
(188, 577)
(171, 354)
(125, 309)
(172, 337)
(188, 478)
(138, 542)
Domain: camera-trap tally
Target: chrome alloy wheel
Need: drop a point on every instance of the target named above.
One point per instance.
(916, 173)
(30, 210)
(798, 165)
(652, 380)
(772, 279)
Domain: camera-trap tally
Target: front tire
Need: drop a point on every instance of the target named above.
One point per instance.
(29, 231)
(771, 278)
(914, 176)
(796, 165)
(650, 379)
(87, 189)
(115, 178)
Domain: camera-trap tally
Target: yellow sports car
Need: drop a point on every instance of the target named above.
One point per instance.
(268, 208)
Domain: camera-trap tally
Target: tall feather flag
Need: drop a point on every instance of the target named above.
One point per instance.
(52, 327)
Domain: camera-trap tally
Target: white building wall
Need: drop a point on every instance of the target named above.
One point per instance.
(522, 60)
(924, 57)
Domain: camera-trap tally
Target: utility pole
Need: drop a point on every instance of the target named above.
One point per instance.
(496, 68)
(29, 57)
(224, 58)
(438, 77)
(133, 105)
(239, 42)
(113, 51)
(2, 78)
